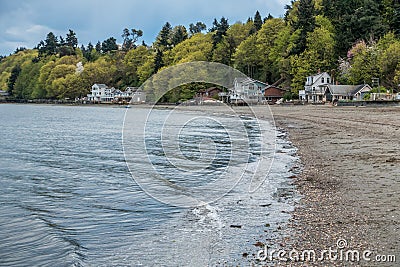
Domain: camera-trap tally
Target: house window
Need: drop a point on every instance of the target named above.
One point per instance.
(322, 79)
(251, 86)
(327, 80)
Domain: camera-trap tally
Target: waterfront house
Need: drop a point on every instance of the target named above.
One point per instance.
(101, 93)
(273, 93)
(313, 88)
(246, 91)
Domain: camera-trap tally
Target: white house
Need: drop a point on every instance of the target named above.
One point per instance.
(246, 90)
(313, 91)
(101, 93)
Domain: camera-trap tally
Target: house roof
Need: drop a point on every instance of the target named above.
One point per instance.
(242, 79)
(276, 87)
(346, 90)
(100, 85)
(248, 80)
(316, 77)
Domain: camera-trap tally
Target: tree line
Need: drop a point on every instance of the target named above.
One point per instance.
(353, 40)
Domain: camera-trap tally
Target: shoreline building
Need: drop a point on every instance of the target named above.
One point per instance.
(246, 91)
(101, 93)
(319, 88)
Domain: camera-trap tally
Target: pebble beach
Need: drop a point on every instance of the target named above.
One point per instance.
(350, 182)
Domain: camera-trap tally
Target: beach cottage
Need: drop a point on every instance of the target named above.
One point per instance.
(345, 92)
(273, 93)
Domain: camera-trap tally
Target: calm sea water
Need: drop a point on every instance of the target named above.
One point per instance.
(67, 197)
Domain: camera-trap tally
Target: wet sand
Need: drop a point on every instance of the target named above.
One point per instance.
(350, 181)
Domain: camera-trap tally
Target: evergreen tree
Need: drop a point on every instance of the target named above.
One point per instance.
(257, 21)
(50, 44)
(164, 37)
(71, 39)
(305, 23)
(158, 61)
(109, 45)
(356, 20)
(62, 41)
(394, 22)
(178, 35)
(89, 47)
(219, 29)
(16, 70)
(98, 46)
(19, 49)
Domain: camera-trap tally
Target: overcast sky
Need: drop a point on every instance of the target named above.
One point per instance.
(26, 22)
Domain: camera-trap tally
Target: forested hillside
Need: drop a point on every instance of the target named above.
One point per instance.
(353, 40)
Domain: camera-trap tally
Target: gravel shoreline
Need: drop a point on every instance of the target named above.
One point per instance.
(350, 182)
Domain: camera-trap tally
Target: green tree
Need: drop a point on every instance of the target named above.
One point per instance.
(363, 60)
(247, 57)
(132, 61)
(223, 52)
(16, 70)
(389, 59)
(196, 48)
(318, 55)
(130, 38)
(109, 45)
(266, 41)
(26, 86)
(197, 28)
(100, 71)
(147, 69)
(58, 72)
